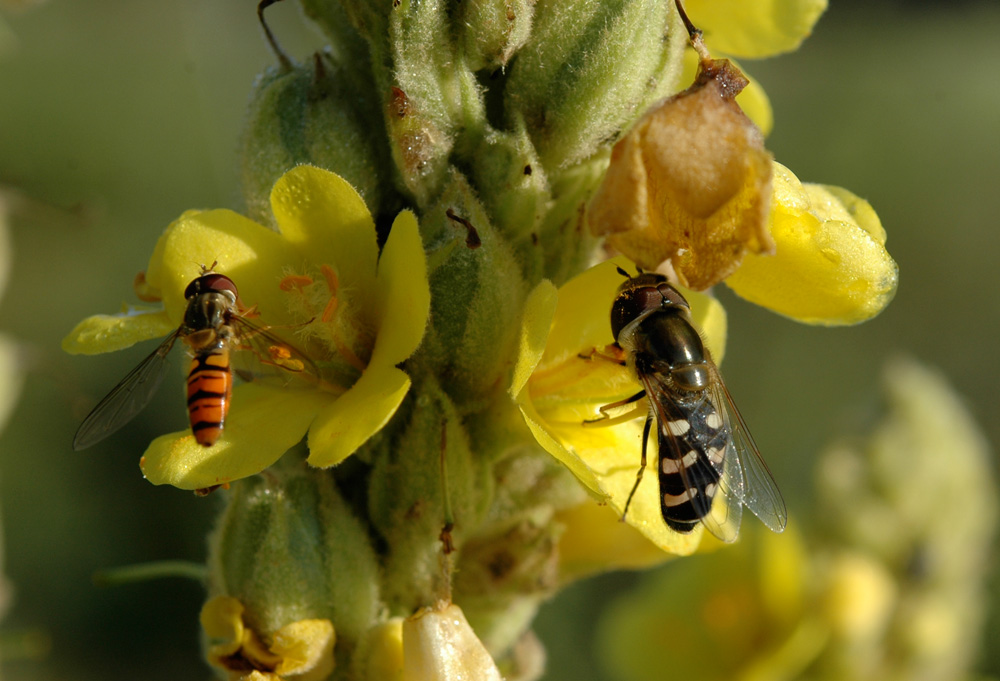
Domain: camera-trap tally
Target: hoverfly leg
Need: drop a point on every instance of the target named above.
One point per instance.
(642, 464)
(606, 419)
(612, 353)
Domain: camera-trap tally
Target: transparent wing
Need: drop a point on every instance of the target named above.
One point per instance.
(749, 477)
(127, 398)
(727, 511)
(259, 355)
(721, 517)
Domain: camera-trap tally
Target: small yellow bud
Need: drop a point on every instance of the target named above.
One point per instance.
(439, 645)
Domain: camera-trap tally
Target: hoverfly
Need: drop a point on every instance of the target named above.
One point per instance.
(705, 450)
(214, 325)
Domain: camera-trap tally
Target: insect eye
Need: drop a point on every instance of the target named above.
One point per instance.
(218, 283)
(672, 295)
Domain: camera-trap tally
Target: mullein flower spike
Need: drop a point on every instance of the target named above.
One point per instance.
(449, 363)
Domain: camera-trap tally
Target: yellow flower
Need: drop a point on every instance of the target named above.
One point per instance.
(356, 313)
(742, 613)
(691, 184)
(301, 650)
(557, 390)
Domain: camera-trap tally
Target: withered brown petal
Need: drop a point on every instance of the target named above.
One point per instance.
(690, 183)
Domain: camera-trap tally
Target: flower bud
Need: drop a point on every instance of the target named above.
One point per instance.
(927, 474)
(290, 549)
(492, 31)
(571, 84)
(439, 645)
(477, 290)
(310, 115)
(423, 476)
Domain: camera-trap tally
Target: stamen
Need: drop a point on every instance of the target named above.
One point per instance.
(143, 291)
(295, 282)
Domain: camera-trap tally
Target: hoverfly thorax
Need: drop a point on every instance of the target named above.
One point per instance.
(651, 321)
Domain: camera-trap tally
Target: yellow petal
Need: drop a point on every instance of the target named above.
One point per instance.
(252, 255)
(108, 333)
(564, 390)
(439, 645)
(327, 220)
(831, 266)
(761, 28)
(264, 422)
(384, 651)
(305, 648)
(549, 440)
(222, 622)
(403, 298)
(358, 414)
(12, 369)
(536, 321)
(595, 540)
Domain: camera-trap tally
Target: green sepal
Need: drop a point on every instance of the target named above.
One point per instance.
(289, 548)
(587, 74)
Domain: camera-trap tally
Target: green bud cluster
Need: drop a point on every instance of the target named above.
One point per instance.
(493, 121)
(916, 502)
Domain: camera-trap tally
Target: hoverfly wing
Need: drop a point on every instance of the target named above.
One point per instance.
(750, 476)
(259, 355)
(695, 474)
(126, 399)
(727, 512)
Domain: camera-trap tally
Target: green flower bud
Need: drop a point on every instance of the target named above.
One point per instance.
(310, 115)
(915, 500)
(289, 548)
(512, 184)
(477, 289)
(492, 31)
(586, 74)
(424, 476)
(431, 95)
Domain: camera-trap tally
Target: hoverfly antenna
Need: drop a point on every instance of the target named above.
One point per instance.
(623, 272)
(205, 270)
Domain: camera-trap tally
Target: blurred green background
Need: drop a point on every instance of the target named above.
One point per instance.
(115, 116)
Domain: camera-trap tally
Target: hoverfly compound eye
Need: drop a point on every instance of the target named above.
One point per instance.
(212, 283)
(220, 283)
(672, 295)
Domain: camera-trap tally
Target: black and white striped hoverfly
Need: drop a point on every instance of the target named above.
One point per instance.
(705, 452)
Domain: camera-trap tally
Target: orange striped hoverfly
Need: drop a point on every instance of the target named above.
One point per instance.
(214, 325)
(705, 451)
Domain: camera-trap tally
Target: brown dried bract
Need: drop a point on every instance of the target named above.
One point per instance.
(689, 184)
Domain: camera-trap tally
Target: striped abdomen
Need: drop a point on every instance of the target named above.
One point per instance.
(209, 386)
(695, 444)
